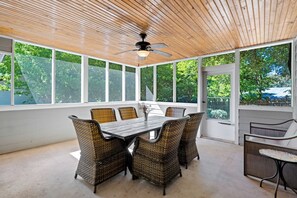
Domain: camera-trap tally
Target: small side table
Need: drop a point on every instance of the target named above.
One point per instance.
(281, 159)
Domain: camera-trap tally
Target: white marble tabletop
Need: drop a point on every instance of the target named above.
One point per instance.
(279, 155)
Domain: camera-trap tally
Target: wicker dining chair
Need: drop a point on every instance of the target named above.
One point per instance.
(187, 149)
(127, 113)
(100, 158)
(157, 160)
(177, 112)
(103, 115)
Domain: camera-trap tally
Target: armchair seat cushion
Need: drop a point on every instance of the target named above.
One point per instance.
(292, 130)
(267, 141)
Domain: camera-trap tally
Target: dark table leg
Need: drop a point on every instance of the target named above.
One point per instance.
(283, 178)
(277, 170)
(279, 173)
(128, 143)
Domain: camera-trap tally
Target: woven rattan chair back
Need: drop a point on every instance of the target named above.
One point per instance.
(191, 128)
(170, 136)
(157, 160)
(89, 137)
(127, 113)
(187, 149)
(100, 158)
(177, 112)
(103, 115)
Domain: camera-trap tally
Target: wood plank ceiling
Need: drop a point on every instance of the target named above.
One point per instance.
(189, 27)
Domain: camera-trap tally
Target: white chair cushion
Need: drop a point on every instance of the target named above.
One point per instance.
(291, 130)
(292, 143)
(266, 141)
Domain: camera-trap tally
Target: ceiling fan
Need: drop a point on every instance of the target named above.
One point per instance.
(143, 48)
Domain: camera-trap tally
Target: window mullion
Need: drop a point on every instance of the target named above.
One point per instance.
(107, 82)
(53, 98)
(155, 83)
(12, 73)
(174, 82)
(123, 83)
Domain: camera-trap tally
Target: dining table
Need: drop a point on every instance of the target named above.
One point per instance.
(128, 130)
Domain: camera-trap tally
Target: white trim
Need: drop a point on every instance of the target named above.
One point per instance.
(177, 60)
(5, 53)
(265, 108)
(93, 57)
(174, 82)
(107, 81)
(67, 51)
(200, 85)
(62, 50)
(84, 79)
(62, 105)
(168, 62)
(53, 76)
(173, 104)
(12, 88)
(293, 76)
(123, 82)
(37, 45)
(155, 84)
(137, 84)
(219, 69)
(225, 52)
(236, 88)
(266, 45)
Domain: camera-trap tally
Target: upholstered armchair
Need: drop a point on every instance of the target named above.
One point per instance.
(157, 160)
(100, 158)
(187, 149)
(279, 136)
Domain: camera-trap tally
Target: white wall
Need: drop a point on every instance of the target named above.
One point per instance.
(23, 127)
(159, 108)
(27, 128)
(263, 116)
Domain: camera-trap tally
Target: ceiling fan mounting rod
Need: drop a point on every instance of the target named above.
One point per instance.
(142, 36)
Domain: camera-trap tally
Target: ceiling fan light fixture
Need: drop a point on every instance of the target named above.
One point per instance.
(142, 53)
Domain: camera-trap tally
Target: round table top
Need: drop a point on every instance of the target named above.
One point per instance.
(279, 155)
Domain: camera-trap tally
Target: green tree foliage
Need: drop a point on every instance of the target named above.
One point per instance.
(68, 77)
(186, 81)
(130, 83)
(115, 82)
(261, 69)
(32, 74)
(147, 83)
(218, 60)
(165, 82)
(5, 73)
(218, 85)
(96, 80)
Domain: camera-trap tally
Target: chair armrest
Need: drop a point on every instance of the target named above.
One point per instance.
(266, 129)
(268, 137)
(149, 148)
(143, 142)
(110, 147)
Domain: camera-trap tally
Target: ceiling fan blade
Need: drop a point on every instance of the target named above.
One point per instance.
(158, 45)
(127, 44)
(126, 51)
(161, 53)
